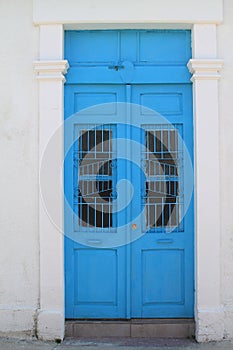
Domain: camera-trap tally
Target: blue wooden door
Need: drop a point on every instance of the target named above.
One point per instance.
(128, 175)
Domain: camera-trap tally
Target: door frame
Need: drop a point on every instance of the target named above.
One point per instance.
(205, 67)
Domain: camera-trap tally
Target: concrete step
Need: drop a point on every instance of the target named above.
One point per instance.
(135, 328)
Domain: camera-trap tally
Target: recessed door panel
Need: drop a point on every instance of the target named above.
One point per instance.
(162, 276)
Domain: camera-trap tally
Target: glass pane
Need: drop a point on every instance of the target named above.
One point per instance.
(162, 168)
(95, 179)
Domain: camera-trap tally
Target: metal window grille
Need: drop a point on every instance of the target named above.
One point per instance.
(93, 196)
(162, 160)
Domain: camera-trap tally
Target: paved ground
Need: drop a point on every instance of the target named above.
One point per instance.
(113, 344)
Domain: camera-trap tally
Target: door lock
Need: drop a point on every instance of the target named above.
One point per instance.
(116, 67)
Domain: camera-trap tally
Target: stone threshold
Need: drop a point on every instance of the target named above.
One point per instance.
(135, 328)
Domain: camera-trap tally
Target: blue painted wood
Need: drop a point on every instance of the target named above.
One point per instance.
(164, 263)
(152, 277)
(142, 74)
(95, 278)
(155, 47)
(157, 56)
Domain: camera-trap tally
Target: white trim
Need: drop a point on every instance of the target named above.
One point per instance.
(50, 320)
(206, 71)
(210, 324)
(51, 69)
(208, 309)
(130, 11)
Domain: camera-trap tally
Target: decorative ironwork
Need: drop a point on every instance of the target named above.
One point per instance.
(162, 162)
(93, 194)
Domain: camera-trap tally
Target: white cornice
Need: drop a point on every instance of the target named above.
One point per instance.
(78, 11)
(50, 70)
(205, 69)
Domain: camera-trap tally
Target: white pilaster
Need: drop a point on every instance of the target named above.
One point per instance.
(206, 72)
(204, 44)
(50, 323)
(51, 42)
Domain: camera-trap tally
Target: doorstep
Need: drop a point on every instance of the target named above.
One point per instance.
(135, 328)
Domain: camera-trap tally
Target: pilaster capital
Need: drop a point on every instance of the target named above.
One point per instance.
(205, 69)
(51, 70)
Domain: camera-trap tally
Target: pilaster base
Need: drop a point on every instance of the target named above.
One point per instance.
(50, 325)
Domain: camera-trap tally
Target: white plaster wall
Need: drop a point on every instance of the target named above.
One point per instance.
(19, 248)
(19, 253)
(225, 49)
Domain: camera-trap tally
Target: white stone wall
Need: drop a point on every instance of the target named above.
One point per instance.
(19, 146)
(225, 50)
(19, 254)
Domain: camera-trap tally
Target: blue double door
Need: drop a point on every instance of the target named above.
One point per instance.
(128, 175)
